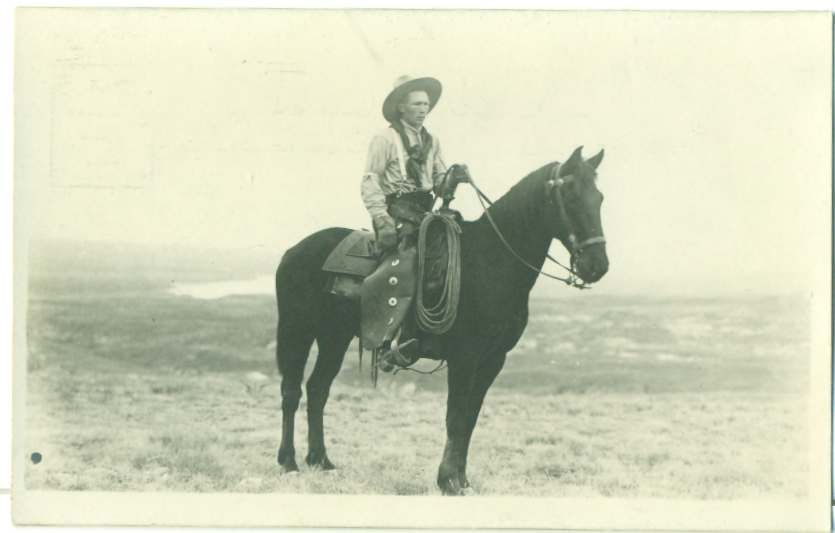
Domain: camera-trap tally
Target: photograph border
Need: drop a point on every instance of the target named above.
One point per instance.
(291, 510)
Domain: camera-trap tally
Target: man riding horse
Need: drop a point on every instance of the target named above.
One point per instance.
(404, 174)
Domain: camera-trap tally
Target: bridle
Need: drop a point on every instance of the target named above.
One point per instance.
(553, 186)
(553, 193)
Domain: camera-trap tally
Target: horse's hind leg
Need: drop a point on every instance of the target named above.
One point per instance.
(292, 350)
(332, 347)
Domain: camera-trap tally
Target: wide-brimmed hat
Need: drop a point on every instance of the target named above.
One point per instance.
(403, 86)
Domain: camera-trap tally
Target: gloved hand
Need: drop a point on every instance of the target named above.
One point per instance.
(386, 233)
(462, 174)
(457, 174)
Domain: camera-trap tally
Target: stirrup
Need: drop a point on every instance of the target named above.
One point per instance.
(403, 355)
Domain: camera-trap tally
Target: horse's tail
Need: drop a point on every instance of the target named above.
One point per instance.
(278, 318)
(278, 340)
(302, 303)
(293, 331)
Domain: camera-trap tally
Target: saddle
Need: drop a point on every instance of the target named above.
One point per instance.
(353, 259)
(384, 287)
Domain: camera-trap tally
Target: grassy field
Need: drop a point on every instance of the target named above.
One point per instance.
(133, 388)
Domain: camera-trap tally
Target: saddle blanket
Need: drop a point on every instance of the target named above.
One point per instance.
(355, 255)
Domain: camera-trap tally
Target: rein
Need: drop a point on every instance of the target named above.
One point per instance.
(573, 280)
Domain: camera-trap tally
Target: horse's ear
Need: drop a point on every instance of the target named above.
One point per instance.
(570, 165)
(594, 161)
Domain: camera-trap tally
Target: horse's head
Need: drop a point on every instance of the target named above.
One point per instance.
(574, 202)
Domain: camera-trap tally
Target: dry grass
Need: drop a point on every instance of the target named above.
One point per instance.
(130, 388)
(209, 433)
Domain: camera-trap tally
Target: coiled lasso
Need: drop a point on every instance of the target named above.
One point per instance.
(441, 316)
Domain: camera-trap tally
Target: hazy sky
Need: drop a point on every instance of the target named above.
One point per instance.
(234, 128)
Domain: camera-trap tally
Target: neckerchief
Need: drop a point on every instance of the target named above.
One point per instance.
(417, 153)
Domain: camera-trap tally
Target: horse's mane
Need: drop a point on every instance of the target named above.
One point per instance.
(524, 199)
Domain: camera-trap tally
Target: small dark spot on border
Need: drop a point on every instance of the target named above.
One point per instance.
(36, 458)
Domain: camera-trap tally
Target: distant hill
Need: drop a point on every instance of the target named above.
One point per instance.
(50, 258)
(157, 263)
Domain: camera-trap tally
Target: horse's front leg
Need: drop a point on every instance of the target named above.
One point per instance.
(484, 377)
(460, 379)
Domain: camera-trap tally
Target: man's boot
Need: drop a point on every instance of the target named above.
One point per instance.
(402, 355)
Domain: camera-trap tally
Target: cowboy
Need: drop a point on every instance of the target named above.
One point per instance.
(404, 168)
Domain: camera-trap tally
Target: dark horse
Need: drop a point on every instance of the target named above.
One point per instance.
(554, 202)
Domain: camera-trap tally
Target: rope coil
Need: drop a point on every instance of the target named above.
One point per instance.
(439, 317)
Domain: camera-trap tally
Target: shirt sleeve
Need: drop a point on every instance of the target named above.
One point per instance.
(439, 168)
(375, 167)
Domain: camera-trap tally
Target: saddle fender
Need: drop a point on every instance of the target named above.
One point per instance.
(387, 295)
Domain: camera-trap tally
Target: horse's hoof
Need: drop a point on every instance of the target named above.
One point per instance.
(324, 465)
(287, 461)
(463, 481)
(320, 463)
(450, 486)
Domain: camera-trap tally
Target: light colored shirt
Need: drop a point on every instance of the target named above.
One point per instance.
(385, 168)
